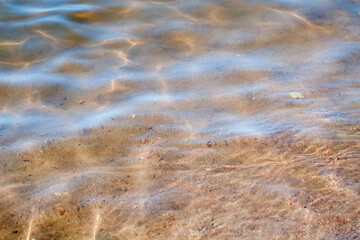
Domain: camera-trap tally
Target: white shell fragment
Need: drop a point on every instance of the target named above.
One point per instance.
(296, 95)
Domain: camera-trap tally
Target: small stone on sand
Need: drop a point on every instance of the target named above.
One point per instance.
(296, 95)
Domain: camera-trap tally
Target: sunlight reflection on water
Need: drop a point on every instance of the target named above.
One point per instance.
(227, 119)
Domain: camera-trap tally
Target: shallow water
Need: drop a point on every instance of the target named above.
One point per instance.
(179, 119)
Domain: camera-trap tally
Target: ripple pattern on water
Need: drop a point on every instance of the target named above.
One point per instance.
(179, 119)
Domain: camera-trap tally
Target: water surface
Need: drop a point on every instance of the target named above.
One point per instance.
(179, 119)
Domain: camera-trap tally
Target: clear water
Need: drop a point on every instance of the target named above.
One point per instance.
(184, 119)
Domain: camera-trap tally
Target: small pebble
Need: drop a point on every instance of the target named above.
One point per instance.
(296, 95)
(62, 212)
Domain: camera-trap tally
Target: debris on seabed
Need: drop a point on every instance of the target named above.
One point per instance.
(59, 193)
(296, 95)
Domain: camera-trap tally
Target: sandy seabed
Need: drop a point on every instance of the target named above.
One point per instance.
(179, 119)
(140, 183)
